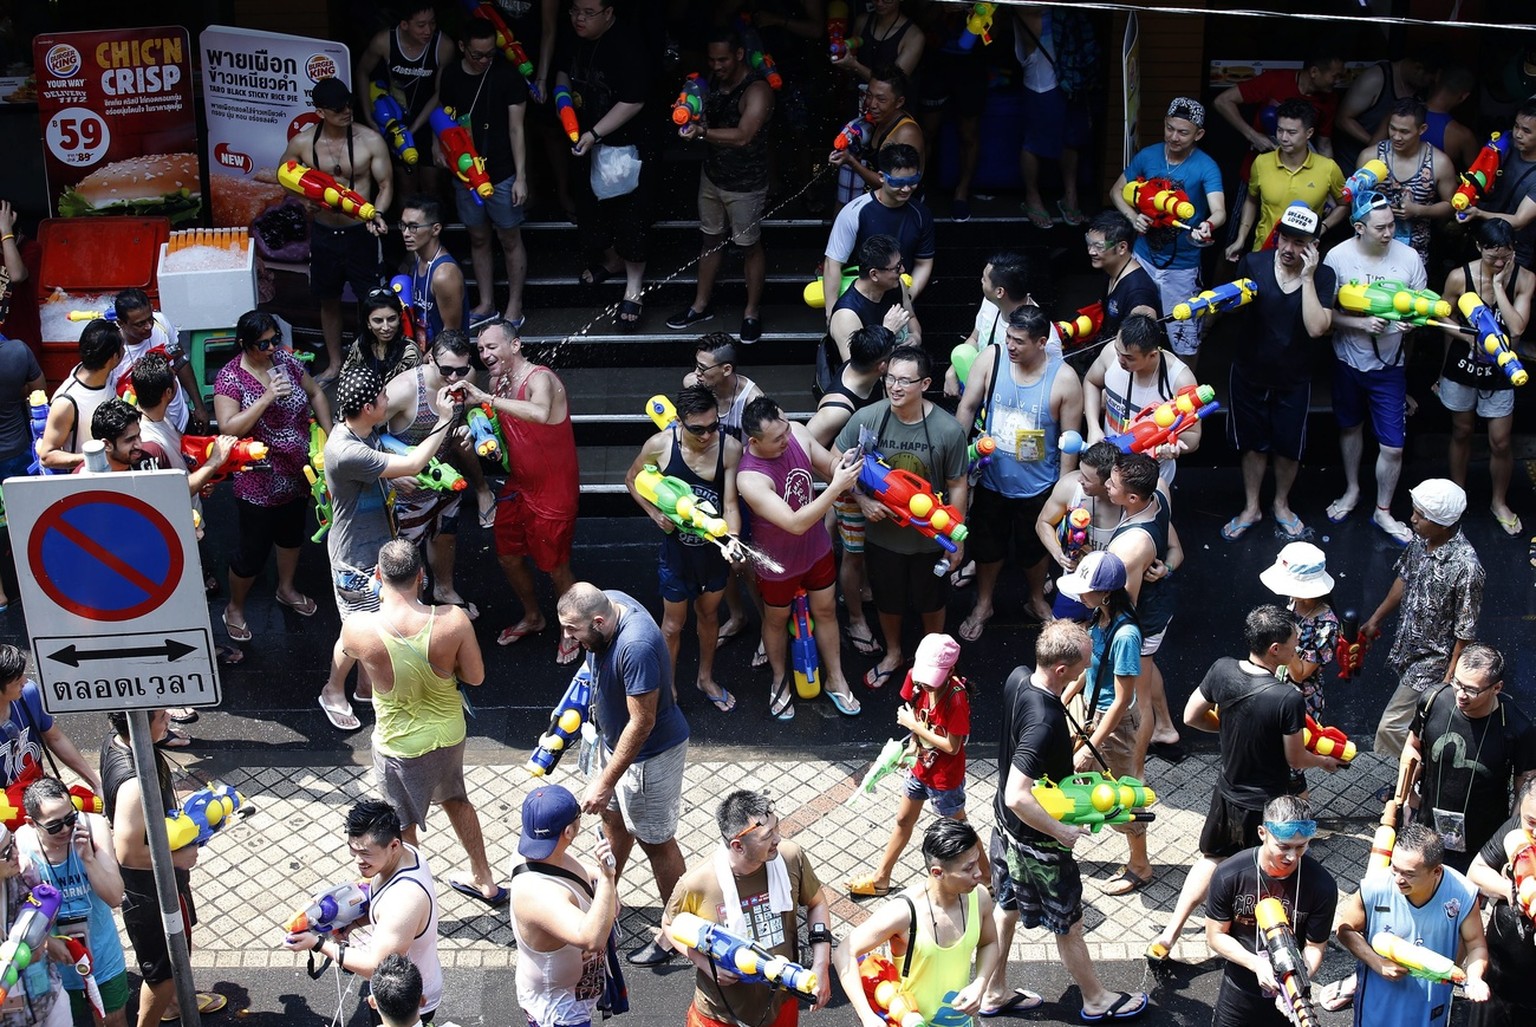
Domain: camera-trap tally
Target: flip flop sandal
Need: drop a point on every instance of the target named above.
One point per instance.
(1117, 1009)
(866, 888)
(236, 634)
(568, 651)
(760, 656)
(1292, 529)
(516, 634)
(1135, 883)
(174, 740)
(876, 678)
(781, 705)
(865, 643)
(1236, 529)
(1019, 1002)
(305, 607)
(499, 899)
(725, 702)
(1071, 215)
(847, 705)
(341, 720)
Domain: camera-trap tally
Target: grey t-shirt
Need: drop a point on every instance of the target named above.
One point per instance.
(934, 449)
(18, 366)
(361, 519)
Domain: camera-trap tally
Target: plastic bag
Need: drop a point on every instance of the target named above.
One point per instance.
(615, 171)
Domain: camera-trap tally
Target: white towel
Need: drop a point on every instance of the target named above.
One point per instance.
(780, 899)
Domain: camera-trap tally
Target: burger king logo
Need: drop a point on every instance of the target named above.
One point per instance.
(62, 61)
(319, 66)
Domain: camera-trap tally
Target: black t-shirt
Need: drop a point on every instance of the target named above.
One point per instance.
(1257, 712)
(1035, 738)
(1309, 896)
(1511, 958)
(1136, 289)
(1276, 351)
(1470, 765)
(485, 100)
(609, 70)
(116, 768)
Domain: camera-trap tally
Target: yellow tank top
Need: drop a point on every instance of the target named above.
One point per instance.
(423, 712)
(937, 970)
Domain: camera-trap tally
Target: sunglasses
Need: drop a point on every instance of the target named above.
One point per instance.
(1285, 830)
(698, 431)
(753, 826)
(266, 344)
(61, 825)
(455, 370)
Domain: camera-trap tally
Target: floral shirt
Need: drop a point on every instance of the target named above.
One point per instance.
(1317, 637)
(1442, 597)
(283, 426)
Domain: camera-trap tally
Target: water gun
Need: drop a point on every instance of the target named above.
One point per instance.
(839, 48)
(1327, 741)
(815, 293)
(245, 455)
(565, 107)
(1521, 850)
(1164, 203)
(28, 936)
(676, 499)
(564, 724)
(1492, 344)
(802, 647)
(92, 315)
(485, 433)
(980, 452)
(324, 190)
(1224, 297)
(37, 416)
(688, 108)
(978, 25)
(437, 475)
(1155, 426)
(746, 959)
(1477, 181)
(205, 813)
(13, 813)
(1366, 177)
(838, 43)
(1382, 842)
(1093, 800)
(1421, 962)
(757, 57)
(1083, 328)
(334, 909)
(403, 287)
(80, 959)
(883, 988)
(911, 502)
(661, 411)
(507, 43)
(894, 755)
(1285, 958)
(1392, 301)
(390, 117)
(856, 135)
(314, 473)
(1349, 652)
(460, 154)
(1076, 526)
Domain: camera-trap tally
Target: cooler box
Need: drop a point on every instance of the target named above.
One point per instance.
(92, 255)
(199, 300)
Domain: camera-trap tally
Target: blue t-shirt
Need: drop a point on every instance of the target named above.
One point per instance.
(1198, 176)
(21, 750)
(1411, 1002)
(910, 224)
(636, 662)
(1124, 659)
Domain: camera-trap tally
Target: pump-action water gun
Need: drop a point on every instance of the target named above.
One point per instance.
(25, 944)
(856, 135)
(837, 26)
(1420, 961)
(485, 433)
(1076, 526)
(13, 812)
(37, 422)
(564, 724)
(1492, 344)
(757, 57)
(1392, 301)
(1366, 177)
(980, 452)
(883, 988)
(244, 455)
(325, 190)
(676, 500)
(1165, 204)
(334, 909)
(507, 43)
(1155, 426)
(1349, 652)
(1093, 800)
(460, 155)
(1327, 741)
(802, 647)
(80, 959)
(390, 117)
(1520, 847)
(978, 25)
(1083, 328)
(403, 287)
(1286, 960)
(1218, 300)
(688, 108)
(1382, 842)
(894, 755)
(746, 959)
(815, 293)
(912, 502)
(314, 473)
(1477, 181)
(204, 813)
(438, 475)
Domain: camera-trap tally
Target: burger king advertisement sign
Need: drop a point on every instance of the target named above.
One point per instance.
(119, 130)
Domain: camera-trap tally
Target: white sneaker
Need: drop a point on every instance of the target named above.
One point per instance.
(1396, 530)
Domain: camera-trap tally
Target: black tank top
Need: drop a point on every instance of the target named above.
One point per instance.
(117, 767)
(852, 400)
(1462, 365)
(736, 169)
(708, 490)
(411, 80)
(870, 311)
(875, 54)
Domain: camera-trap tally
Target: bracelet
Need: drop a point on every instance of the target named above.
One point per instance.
(319, 945)
(7, 236)
(597, 136)
(341, 956)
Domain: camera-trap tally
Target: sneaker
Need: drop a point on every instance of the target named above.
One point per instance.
(688, 318)
(751, 329)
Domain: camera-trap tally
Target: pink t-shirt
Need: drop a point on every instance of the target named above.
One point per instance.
(791, 477)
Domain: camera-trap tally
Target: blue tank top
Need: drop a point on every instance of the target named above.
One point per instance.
(1435, 925)
(424, 303)
(81, 903)
(1434, 135)
(1019, 417)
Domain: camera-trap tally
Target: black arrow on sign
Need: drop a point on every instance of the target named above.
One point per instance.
(172, 650)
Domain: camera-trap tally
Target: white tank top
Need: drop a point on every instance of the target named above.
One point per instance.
(1124, 398)
(414, 873)
(563, 986)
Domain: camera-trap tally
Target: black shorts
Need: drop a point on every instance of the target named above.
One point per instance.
(340, 257)
(905, 582)
(622, 222)
(1267, 420)
(956, 80)
(1229, 828)
(141, 919)
(995, 520)
(261, 528)
(1038, 880)
(1238, 1008)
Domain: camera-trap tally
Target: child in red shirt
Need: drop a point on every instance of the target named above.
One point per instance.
(938, 713)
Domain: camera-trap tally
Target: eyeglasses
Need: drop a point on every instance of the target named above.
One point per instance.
(1097, 246)
(701, 369)
(902, 383)
(406, 226)
(1285, 830)
(739, 835)
(479, 55)
(699, 431)
(455, 370)
(1469, 691)
(62, 825)
(579, 14)
(893, 268)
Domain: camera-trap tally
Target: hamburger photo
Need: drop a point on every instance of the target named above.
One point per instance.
(160, 183)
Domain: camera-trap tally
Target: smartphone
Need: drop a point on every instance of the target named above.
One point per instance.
(597, 836)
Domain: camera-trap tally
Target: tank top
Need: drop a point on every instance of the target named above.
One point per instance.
(85, 399)
(1121, 403)
(422, 713)
(1154, 602)
(1437, 121)
(938, 969)
(1011, 411)
(791, 476)
(877, 52)
(411, 80)
(1420, 186)
(1462, 365)
(1098, 538)
(541, 460)
(563, 986)
(730, 420)
(426, 417)
(852, 400)
(428, 317)
(422, 951)
(870, 312)
(81, 903)
(709, 490)
(736, 169)
(1372, 117)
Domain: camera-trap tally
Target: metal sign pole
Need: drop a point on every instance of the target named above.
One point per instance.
(160, 860)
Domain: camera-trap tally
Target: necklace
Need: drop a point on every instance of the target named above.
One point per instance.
(934, 920)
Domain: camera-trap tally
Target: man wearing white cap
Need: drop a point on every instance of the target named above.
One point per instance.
(1439, 586)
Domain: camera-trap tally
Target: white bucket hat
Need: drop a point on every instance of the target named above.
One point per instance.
(1300, 571)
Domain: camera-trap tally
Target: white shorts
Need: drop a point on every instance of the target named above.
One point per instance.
(1489, 403)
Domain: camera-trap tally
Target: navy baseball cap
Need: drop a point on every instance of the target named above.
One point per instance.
(546, 812)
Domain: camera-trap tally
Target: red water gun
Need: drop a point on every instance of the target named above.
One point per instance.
(13, 814)
(1165, 204)
(911, 502)
(402, 287)
(507, 43)
(1159, 424)
(1349, 652)
(1477, 181)
(1327, 741)
(856, 135)
(325, 190)
(246, 454)
(1083, 328)
(460, 154)
(883, 988)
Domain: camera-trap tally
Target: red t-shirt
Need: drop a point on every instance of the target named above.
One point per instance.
(1272, 88)
(947, 712)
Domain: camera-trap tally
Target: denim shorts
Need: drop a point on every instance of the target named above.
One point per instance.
(498, 210)
(946, 802)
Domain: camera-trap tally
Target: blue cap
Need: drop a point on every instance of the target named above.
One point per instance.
(546, 812)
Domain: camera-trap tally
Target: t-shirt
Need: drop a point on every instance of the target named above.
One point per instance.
(1198, 176)
(1412, 1001)
(1277, 351)
(1035, 739)
(1272, 88)
(947, 712)
(1516, 181)
(1308, 894)
(1124, 659)
(934, 449)
(1511, 944)
(18, 366)
(21, 750)
(612, 69)
(910, 224)
(1401, 263)
(164, 338)
(1134, 289)
(1276, 187)
(361, 516)
(484, 100)
(1257, 712)
(698, 892)
(636, 662)
(1470, 765)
